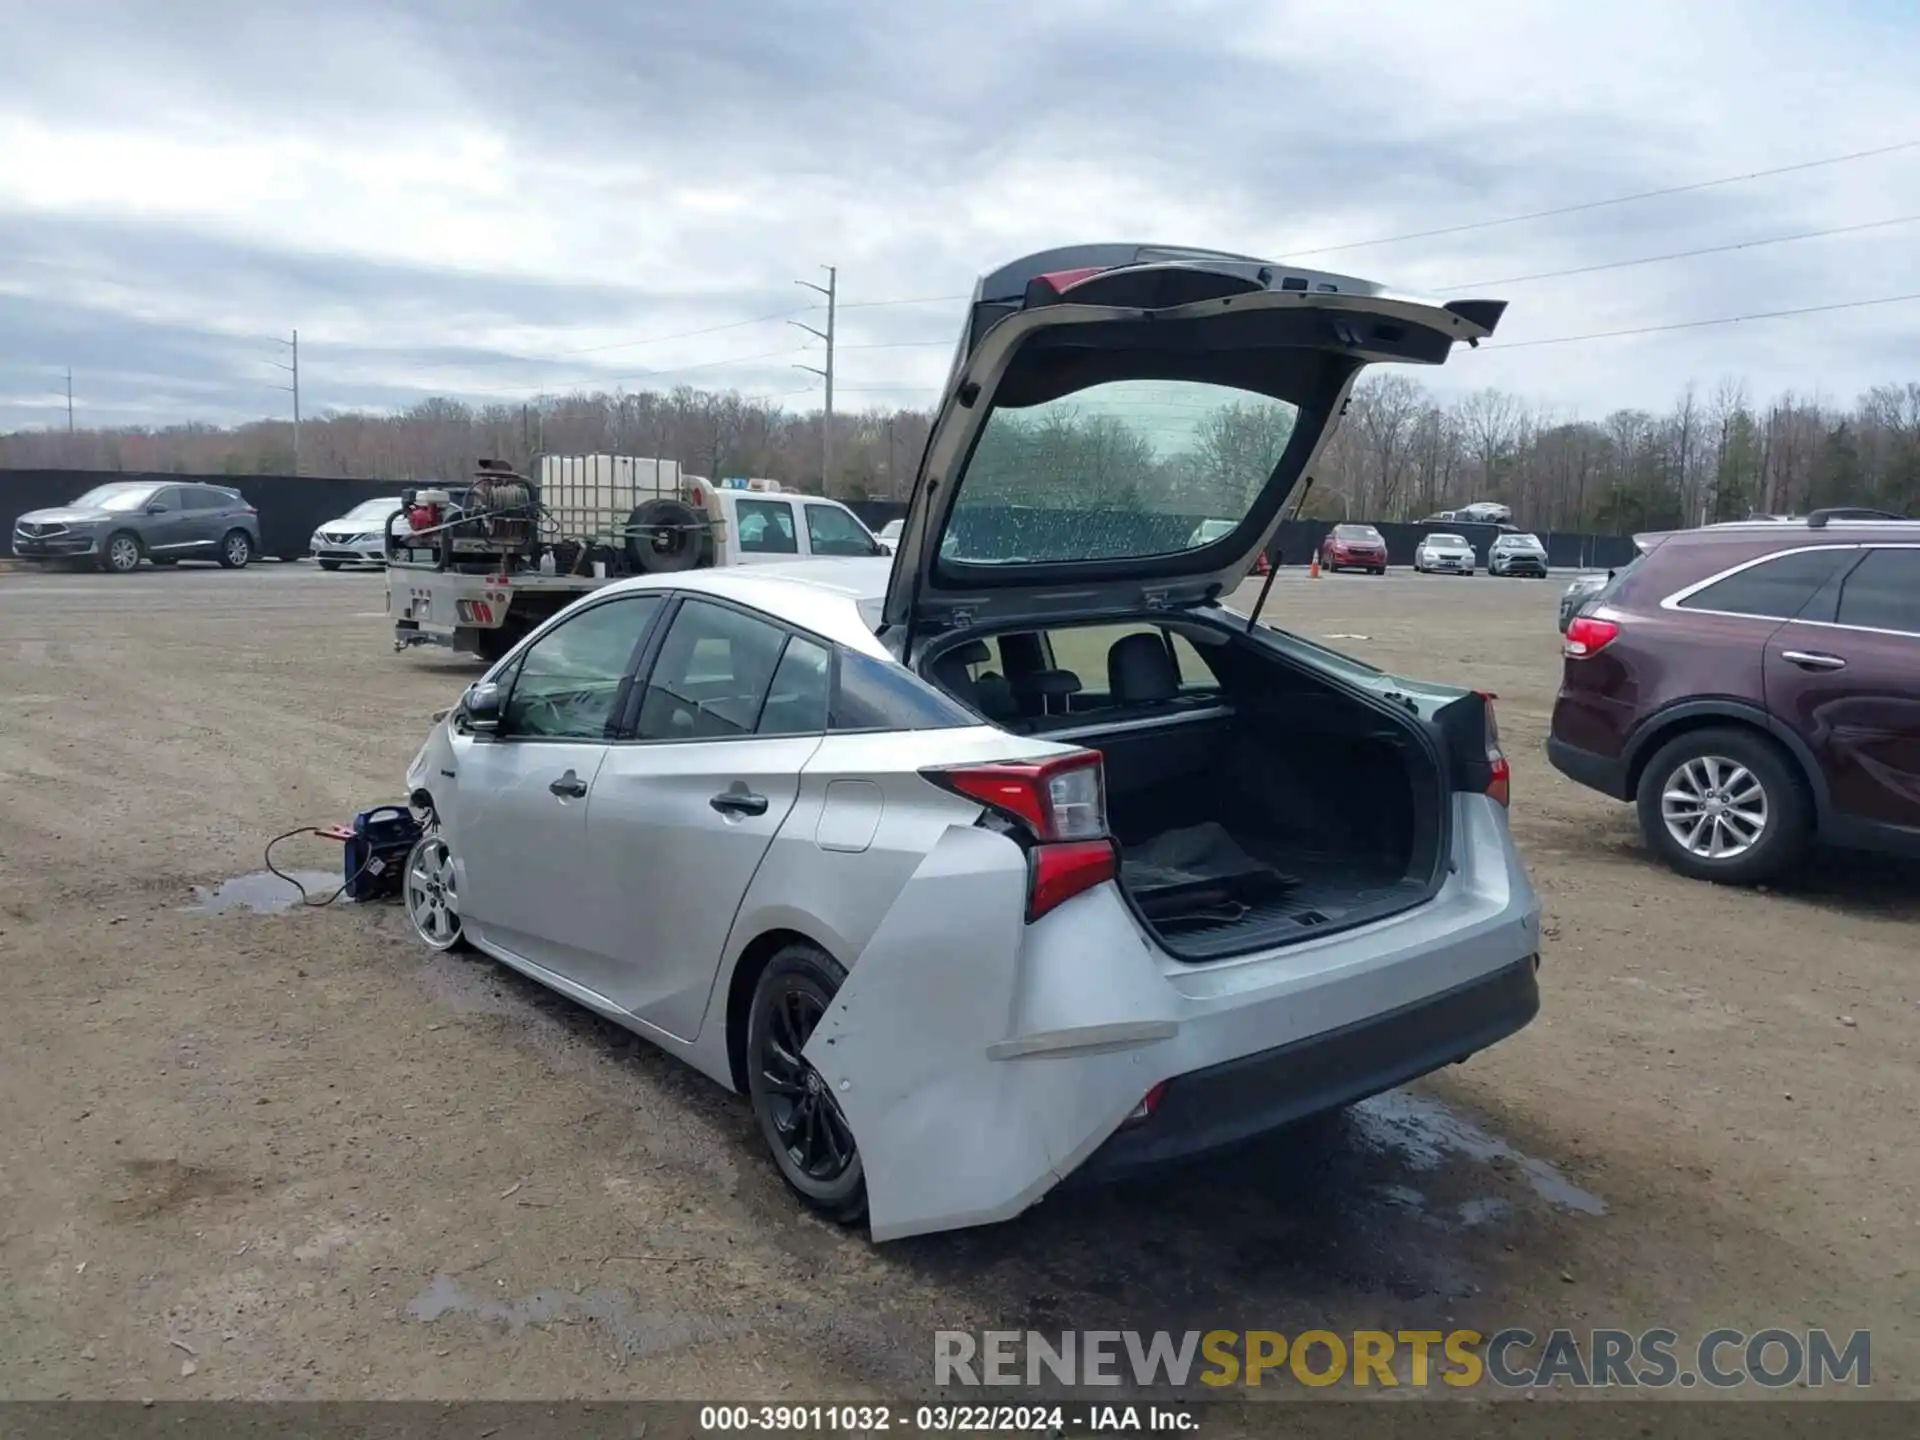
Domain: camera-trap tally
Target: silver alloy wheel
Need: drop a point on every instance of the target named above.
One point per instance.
(123, 553)
(1714, 807)
(239, 548)
(433, 903)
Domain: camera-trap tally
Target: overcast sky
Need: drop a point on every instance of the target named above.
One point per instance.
(492, 199)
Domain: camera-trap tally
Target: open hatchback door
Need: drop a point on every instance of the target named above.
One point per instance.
(1108, 401)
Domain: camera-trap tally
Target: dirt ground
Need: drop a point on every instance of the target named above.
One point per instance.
(294, 1155)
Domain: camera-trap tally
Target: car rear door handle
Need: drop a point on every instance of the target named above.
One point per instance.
(739, 802)
(1813, 660)
(569, 787)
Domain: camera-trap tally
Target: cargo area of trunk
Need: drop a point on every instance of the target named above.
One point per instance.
(1246, 831)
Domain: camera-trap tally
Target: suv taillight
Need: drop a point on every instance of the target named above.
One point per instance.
(1587, 637)
(1057, 809)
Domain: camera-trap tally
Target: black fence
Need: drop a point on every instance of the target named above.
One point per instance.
(291, 509)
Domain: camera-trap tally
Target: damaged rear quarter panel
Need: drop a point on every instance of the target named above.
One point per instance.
(950, 1135)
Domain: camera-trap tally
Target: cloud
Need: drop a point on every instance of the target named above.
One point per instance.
(494, 199)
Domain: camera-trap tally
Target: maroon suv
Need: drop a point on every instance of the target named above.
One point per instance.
(1753, 687)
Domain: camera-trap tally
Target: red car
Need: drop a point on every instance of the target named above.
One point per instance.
(1753, 688)
(1354, 547)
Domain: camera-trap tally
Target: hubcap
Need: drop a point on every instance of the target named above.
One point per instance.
(124, 555)
(1714, 807)
(433, 904)
(808, 1122)
(236, 549)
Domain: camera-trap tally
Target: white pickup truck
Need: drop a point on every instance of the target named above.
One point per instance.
(478, 568)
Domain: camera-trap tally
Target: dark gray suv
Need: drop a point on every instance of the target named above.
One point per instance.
(117, 526)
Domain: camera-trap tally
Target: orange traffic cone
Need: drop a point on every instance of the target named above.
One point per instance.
(1313, 568)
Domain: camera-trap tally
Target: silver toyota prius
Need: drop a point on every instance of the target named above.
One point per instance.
(1018, 856)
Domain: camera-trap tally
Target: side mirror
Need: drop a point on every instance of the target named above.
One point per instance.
(156, 509)
(480, 708)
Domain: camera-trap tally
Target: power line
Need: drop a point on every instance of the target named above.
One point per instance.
(910, 300)
(1700, 324)
(679, 335)
(1685, 254)
(1612, 200)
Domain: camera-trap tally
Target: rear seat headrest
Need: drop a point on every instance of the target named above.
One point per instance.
(1140, 669)
(971, 653)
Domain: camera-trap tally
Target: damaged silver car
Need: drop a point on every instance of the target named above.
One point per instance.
(1019, 857)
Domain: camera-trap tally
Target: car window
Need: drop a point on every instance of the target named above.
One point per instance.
(871, 694)
(205, 497)
(797, 700)
(171, 497)
(765, 527)
(713, 674)
(1446, 540)
(1883, 593)
(1777, 588)
(567, 686)
(833, 531)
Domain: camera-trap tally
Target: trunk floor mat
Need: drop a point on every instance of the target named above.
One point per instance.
(1208, 895)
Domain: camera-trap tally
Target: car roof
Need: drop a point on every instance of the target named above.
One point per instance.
(837, 599)
(1786, 533)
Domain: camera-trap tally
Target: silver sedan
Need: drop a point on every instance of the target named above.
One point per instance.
(972, 879)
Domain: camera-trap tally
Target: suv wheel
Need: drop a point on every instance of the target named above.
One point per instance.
(1724, 805)
(236, 549)
(122, 553)
(812, 1144)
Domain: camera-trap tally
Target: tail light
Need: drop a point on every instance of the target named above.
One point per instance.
(1057, 809)
(1143, 1112)
(1499, 774)
(1587, 637)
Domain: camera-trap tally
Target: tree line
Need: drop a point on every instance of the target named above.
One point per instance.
(1402, 452)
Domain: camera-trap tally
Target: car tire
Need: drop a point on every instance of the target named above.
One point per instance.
(122, 553)
(1722, 761)
(430, 895)
(1379, 569)
(236, 549)
(811, 1143)
(328, 564)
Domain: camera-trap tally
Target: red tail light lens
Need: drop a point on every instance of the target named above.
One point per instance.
(1062, 280)
(1144, 1110)
(1499, 774)
(1060, 799)
(1060, 807)
(1587, 637)
(1060, 872)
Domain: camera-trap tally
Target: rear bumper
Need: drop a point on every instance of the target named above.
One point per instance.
(1051, 1033)
(1232, 1103)
(1605, 773)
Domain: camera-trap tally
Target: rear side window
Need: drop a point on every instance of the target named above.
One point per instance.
(873, 695)
(1776, 589)
(1883, 592)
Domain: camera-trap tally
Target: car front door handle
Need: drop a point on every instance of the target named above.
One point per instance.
(739, 802)
(1813, 660)
(569, 787)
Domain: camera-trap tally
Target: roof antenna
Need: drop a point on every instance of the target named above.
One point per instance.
(1274, 569)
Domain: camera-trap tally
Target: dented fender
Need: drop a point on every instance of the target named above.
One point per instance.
(971, 1083)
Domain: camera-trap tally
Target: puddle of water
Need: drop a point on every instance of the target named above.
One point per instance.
(637, 1332)
(262, 892)
(1426, 1135)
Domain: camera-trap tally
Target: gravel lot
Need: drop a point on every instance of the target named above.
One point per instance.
(292, 1155)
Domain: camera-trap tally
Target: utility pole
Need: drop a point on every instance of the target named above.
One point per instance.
(69, 402)
(294, 370)
(831, 291)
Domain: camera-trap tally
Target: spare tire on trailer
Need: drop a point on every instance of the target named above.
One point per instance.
(665, 536)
